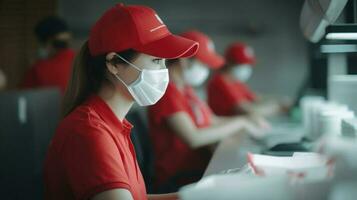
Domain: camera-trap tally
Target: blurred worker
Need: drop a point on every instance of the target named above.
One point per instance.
(182, 126)
(3, 80)
(53, 67)
(227, 91)
(91, 155)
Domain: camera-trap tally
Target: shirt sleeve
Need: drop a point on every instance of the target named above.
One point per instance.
(169, 104)
(221, 97)
(251, 97)
(93, 163)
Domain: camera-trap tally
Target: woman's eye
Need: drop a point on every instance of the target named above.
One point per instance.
(157, 61)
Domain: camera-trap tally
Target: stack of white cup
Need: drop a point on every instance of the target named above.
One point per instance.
(322, 117)
(349, 127)
(330, 119)
(307, 104)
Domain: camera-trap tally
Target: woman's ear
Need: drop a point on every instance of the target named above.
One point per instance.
(111, 64)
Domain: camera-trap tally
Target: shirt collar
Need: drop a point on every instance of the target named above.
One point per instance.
(108, 116)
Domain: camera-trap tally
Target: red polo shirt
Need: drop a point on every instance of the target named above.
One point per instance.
(172, 155)
(224, 94)
(91, 152)
(51, 72)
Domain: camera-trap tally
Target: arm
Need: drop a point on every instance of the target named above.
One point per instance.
(195, 137)
(114, 194)
(123, 194)
(263, 109)
(266, 106)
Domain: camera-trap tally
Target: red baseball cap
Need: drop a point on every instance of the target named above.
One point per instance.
(206, 52)
(139, 28)
(240, 53)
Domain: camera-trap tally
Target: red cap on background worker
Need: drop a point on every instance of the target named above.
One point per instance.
(206, 58)
(226, 90)
(241, 58)
(227, 93)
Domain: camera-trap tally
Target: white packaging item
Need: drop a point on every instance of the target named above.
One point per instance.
(341, 148)
(306, 104)
(330, 120)
(302, 167)
(349, 127)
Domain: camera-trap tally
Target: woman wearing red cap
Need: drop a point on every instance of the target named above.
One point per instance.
(91, 155)
(227, 93)
(182, 126)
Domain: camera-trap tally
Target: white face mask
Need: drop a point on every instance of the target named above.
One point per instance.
(196, 74)
(150, 85)
(242, 72)
(42, 53)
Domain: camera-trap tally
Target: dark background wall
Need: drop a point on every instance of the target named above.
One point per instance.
(17, 41)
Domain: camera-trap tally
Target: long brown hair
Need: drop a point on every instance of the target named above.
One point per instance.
(88, 75)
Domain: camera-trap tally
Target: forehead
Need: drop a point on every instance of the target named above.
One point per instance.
(146, 57)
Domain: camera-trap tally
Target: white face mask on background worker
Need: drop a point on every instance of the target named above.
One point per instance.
(242, 72)
(196, 70)
(196, 73)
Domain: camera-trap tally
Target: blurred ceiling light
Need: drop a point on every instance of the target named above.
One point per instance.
(341, 36)
(341, 32)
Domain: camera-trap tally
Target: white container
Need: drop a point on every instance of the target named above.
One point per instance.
(349, 127)
(330, 122)
(307, 104)
(342, 89)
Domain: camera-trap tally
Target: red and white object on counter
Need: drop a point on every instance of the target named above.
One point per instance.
(304, 166)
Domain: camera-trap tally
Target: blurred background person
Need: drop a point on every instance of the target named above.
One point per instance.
(3, 80)
(228, 93)
(198, 70)
(182, 126)
(53, 66)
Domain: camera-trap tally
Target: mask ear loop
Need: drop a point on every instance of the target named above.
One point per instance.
(162, 64)
(129, 63)
(116, 75)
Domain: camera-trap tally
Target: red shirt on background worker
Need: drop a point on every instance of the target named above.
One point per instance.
(91, 156)
(54, 63)
(182, 126)
(227, 91)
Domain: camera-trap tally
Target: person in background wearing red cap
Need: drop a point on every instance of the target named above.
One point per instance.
(91, 155)
(227, 92)
(182, 126)
(53, 67)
